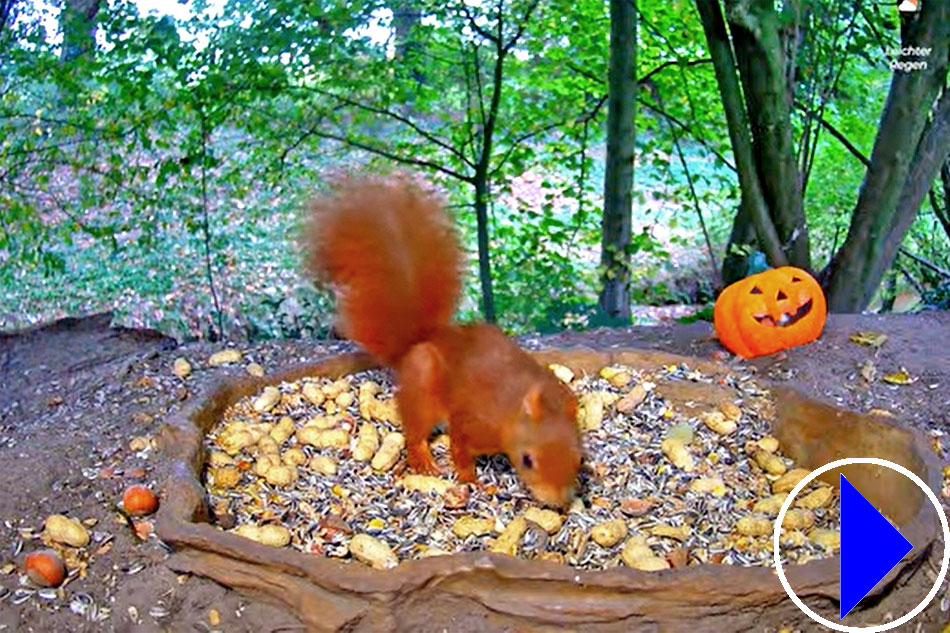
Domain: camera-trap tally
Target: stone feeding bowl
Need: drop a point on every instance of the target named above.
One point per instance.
(482, 590)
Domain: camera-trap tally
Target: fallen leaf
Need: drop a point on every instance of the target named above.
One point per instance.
(678, 557)
(139, 444)
(143, 529)
(868, 371)
(456, 497)
(869, 339)
(901, 377)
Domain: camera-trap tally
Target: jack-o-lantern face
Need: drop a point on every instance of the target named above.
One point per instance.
(770, 311)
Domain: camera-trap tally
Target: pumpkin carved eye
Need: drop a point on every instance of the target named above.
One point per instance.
(755, 291)
(794, 279)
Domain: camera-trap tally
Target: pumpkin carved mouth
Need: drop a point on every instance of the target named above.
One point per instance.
(786, 319)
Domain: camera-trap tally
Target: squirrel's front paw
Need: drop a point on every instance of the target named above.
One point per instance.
(466, 475)
(422, 462)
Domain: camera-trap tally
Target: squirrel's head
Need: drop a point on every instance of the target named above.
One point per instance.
(546, 449)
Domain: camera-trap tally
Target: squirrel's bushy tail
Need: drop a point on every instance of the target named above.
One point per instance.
(393, 257)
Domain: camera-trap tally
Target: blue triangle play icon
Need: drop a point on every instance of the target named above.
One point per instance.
(870, 547)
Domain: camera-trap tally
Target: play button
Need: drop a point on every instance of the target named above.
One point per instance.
(870, 547)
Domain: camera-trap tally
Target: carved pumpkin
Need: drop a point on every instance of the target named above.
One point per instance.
(770, 311)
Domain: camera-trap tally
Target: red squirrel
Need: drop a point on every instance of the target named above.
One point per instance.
(391, 254)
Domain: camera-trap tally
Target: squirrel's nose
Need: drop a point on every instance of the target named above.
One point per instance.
(555, 498)
(567, 497)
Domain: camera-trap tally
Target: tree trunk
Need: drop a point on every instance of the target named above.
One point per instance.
(484, 259)
(480, 182)
(743, 234)
(77, 21)
(6, 14)
(618, 179)
(945, 178)
(889, 294)
(753, 220)
(406, 17)
(943, 213)
(907, 155)
(755, 28)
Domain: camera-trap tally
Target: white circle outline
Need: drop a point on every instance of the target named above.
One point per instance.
(846, 462)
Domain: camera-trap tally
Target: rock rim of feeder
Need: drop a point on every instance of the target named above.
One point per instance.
(327, 594)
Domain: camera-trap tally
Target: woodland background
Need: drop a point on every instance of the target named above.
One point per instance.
(155, 157)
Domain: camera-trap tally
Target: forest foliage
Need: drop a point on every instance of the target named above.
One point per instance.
(159, 166)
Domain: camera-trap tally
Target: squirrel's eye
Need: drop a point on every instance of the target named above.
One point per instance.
(527, 461)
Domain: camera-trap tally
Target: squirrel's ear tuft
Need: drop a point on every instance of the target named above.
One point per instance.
(532, 402)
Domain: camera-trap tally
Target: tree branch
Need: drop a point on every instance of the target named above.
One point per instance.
(469, 124)
(547, 128)
(642, 80)
(674, 62)
(6, 10)
(686, 128)
(669, 117)
(835, 133)
(491, 37)
(943, 215)
(432, 138)
(823, 97)
(405, 160)
(478, 85)
(717, 279)
(913, 282)
(311, 131)
(943, 272)
(521, 26)
(586, 73)
(206, 224)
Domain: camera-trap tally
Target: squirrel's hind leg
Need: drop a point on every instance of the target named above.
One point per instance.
(420, 403)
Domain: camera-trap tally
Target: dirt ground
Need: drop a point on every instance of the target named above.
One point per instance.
(75, 394)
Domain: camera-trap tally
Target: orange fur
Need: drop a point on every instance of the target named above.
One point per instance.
(390, 251)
